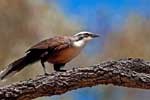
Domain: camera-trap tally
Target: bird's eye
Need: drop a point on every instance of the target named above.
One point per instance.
(86, 35)
(81, 37)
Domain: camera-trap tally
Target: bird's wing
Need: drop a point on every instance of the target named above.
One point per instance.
(52, 44)
(35, 53)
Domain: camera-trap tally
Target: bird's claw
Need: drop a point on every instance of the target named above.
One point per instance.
(46, 74)
(62, 70)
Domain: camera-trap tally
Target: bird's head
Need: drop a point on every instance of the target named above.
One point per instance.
(82, 38)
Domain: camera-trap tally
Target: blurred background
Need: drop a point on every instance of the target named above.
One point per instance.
(124, 26)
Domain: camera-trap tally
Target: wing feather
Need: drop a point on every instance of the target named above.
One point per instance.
(54, 44)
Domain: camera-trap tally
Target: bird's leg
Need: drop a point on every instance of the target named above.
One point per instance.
(58, 66)
(43, 59)
(44, 68)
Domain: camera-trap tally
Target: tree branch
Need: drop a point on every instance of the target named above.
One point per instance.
(129, 72)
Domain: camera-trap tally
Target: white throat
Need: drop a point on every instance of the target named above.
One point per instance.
(79, 44)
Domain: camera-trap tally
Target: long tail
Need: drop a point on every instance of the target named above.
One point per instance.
(17, 65)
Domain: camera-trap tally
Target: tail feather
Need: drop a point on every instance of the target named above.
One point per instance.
(16, 66)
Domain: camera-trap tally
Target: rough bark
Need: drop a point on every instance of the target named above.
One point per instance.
(134, 73)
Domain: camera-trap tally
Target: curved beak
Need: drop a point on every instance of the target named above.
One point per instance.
(95, 35)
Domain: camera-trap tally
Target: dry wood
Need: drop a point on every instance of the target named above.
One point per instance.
(134, 73)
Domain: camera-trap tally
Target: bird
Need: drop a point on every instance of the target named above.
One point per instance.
(57, 50)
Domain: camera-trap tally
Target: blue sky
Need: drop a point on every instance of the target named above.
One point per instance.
(119, 5)
(117, 10)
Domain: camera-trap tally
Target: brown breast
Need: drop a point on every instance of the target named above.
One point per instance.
(64, 55)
